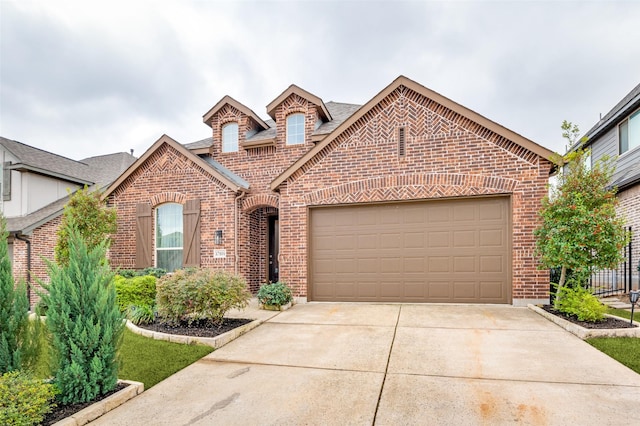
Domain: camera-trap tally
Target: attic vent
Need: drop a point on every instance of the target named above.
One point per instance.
(402, 143)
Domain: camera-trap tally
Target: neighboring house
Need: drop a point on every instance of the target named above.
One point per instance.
(410, 197)
(617, 135)
(35, 187)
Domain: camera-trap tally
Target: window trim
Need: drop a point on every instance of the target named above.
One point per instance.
(287, 132)
(222, 136)
(626, 120)
(156, 249)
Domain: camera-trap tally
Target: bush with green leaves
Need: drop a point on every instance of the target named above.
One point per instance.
(84, 320)
(91, 217)
(580, 302)
(130, 273)
(274, 294)
(194, 294)
(135, 291)
(24, 400)
(141, 314)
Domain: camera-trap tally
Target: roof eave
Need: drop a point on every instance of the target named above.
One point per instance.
(235, 104)
(293, 89)
(41, 171)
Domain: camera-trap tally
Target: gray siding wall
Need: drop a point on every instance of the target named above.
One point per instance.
(607, 144)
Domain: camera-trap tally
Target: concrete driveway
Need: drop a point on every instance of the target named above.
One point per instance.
(365, 364)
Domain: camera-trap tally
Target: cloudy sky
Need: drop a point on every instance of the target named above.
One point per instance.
(84, 78)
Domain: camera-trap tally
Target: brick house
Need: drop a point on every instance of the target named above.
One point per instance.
(35, 187)
(410, 197)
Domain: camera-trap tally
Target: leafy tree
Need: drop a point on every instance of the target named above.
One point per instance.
(85, 322)
(14, 311)
(579, 229)
(92, 218)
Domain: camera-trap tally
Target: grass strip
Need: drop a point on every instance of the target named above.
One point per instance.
(622, 349)
(150, 361)
(623, 313)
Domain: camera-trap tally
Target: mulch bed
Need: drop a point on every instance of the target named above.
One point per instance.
(63, 411)
(197, 328)
(607, 323)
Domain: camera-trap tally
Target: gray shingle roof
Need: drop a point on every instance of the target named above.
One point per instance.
(104, 169)
(203, 143)
(99, 171)
(46, 162)
(627, 104)
(226, 172)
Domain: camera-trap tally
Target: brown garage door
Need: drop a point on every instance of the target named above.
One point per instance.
(430, 251)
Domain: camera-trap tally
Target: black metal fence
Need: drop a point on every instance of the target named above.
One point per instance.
(609, 282)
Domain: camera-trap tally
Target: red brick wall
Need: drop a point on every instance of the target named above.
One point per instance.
(446, 156)
(43, 242)
(629, 208)
(168, 176)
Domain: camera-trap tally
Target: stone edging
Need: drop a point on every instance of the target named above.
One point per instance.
(99, 408)
(587, 333)
(214, 342)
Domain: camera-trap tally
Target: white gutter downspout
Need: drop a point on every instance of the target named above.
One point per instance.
(235, 231)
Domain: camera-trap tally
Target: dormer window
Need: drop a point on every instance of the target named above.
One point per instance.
(230, 137)
(295, 129)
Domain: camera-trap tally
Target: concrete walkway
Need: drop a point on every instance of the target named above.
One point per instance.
(365, 364)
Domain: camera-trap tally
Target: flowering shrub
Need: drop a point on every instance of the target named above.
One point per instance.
(199, 294)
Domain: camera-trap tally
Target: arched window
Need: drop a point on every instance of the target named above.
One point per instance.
(295, 129)
(230, 137)
(169, 236)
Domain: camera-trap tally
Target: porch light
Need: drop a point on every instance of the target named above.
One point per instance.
(633, 298)
(218, 237)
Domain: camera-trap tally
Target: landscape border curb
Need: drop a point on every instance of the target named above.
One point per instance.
(215, 342)
(99, 408)
(587, 333)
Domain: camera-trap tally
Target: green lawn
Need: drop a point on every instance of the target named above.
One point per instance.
(625, 314)
(143, 359)
(149, 361)
(622, 349)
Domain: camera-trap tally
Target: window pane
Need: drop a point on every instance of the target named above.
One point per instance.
(295, 129)
(169, 226)
(624, 136)
(634, 130)
(169, 259)
(230, 137)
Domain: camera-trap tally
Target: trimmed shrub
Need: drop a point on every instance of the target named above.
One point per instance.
(13, 311)
(24, 400)
(84, 321)
(275, 294)
(135, 291)
(580, 302)
(199, 294)
(141, 314)
(130, 273)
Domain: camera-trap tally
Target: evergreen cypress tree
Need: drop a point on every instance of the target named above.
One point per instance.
(14, 313)
(84, 320)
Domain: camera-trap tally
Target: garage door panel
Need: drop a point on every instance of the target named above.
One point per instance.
(432, 251)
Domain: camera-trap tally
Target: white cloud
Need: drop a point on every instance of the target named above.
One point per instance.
(86, 78)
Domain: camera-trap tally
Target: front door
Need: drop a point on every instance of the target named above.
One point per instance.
(273, 245)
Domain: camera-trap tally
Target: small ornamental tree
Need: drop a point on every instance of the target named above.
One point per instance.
(14, 313)
(92, 218)
(84, 320)
(579, 229)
